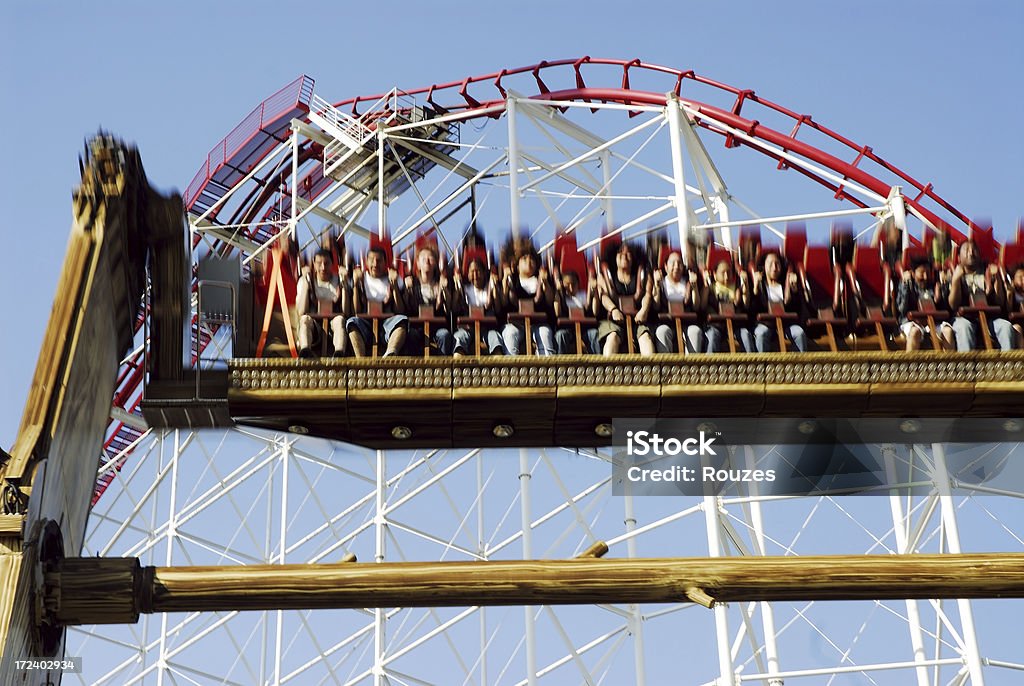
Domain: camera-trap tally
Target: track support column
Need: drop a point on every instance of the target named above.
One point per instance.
(527, 525)
(380, 531)
(900, 525)
(714, 532)
(771, 648)
(674, 113)
(513, 166)
(949, 524)
(635, 617)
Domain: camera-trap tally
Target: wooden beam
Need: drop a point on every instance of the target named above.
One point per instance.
(97, 590)
(564, 398)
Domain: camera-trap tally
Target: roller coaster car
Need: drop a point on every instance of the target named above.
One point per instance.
(871, 284)
(278, 281)
(823, 288)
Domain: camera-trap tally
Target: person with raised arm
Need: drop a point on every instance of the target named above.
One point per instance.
(429, 286)
(920, 291)
(377, 295)
(624, 285)
(678, 287)
(326, 296)
(725, 297)
(777, 292)
(529, 295)
(975, 293)
(477, 293)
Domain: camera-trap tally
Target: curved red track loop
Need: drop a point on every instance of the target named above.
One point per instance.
(616, 79)
(493, 92)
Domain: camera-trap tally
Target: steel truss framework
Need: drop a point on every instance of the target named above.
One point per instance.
(242, 497)
(536, 157)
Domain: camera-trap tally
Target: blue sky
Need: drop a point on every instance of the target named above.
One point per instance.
(934, 87)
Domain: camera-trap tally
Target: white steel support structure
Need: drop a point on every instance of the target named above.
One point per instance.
(636, 616)
(674, 114)
(515, 218)
(379, 527)
(525, 476)
(943, 484)
(247, 497)
(712, 524)
(771, 648)
(243, 497)
(901, 527)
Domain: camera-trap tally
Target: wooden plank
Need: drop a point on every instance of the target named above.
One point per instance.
(11, 524)
(560, 400)
(89, 330)
(80, 593)
(52, 360)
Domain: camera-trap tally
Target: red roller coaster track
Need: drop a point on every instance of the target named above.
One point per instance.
(581, 80)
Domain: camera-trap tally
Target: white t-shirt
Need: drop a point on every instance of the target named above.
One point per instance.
(477, 297)
(676, 291)
(578, 300)
(376, 288)
(776, 294)
(529, 284)
(975, 282)
(326, 290)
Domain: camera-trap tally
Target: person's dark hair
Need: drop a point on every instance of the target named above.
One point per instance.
(612, 249)
(478, 261)
(969, 241)
(326, 254)
(764, 258)
(380, 251)
(920, 260)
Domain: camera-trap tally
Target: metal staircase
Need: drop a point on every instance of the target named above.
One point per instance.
(354, 142)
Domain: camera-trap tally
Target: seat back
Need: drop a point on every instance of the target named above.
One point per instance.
(872, 276)
(794, 244)
(983, 237)
(819, 276)
(572, 260)
(750, 244)
(1011, 256)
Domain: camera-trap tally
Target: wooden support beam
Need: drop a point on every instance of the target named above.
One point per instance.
(559, 400)
(97, 590)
